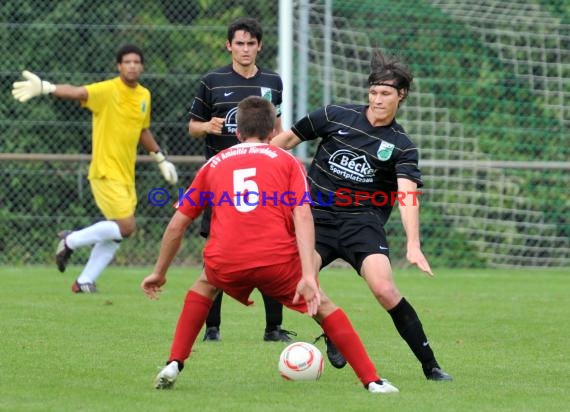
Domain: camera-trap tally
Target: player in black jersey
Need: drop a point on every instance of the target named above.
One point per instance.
(364, 164)
(213, 117)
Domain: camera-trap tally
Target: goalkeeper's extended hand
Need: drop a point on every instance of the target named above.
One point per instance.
(167, 168)
(33, 86)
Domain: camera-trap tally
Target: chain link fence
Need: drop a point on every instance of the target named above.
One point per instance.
(489, 109)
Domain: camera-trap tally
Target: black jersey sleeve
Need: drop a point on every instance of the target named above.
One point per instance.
(407, 164)
(201, 109)
(278, 99)
(309, 126)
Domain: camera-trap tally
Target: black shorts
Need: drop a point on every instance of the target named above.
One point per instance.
(351, 237)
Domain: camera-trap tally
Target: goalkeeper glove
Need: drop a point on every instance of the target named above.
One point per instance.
(33, 86)
(167, 168)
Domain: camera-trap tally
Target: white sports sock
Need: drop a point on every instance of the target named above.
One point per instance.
(101, 255)
(99, 232)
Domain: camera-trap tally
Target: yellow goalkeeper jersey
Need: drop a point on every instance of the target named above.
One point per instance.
(120, 113)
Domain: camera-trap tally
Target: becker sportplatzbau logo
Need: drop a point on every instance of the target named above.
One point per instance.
(351, 166)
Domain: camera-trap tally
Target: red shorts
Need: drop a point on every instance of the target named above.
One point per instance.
(276, 281)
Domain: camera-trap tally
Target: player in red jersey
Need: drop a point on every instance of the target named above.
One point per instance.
(212, 117)
(258, 195)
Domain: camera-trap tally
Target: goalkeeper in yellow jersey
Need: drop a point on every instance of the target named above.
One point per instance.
(121, 111)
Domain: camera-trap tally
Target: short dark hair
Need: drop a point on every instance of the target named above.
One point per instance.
(255, 117)
(128, 49)
(248, 25)
(384, 69)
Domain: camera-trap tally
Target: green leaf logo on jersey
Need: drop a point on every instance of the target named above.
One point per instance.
(266, 93)
(385, 151)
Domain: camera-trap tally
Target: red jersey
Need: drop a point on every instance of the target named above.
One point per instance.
(253, 189)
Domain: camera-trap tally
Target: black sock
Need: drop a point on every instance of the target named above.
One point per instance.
(215, 315)
(180, 364)
(411, 330)
(273, 313)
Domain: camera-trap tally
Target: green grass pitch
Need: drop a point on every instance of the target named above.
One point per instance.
(502, 334)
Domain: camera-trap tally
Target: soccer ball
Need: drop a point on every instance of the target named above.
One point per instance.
(301, 361)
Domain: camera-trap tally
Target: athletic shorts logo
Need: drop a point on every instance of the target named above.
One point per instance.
(226, 94)
(351, 166)
(385, 151)
(343, 132)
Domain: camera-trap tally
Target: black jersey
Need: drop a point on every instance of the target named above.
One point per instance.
(218, 95)
(355, 160)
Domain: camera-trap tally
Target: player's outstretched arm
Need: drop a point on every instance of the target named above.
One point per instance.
(169, 246)
(286, 140)
(31, 87)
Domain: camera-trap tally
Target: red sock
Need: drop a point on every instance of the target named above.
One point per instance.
(191, 320)
(338, 328)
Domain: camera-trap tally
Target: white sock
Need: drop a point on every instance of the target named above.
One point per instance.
(99, 232)
(101, 255)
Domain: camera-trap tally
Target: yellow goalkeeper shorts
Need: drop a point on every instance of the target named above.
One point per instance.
(116, 200)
